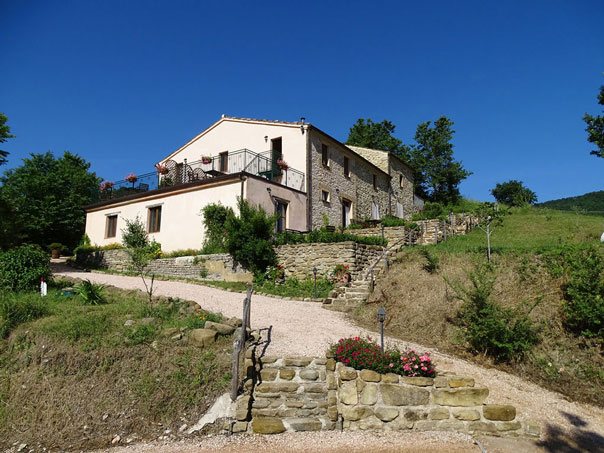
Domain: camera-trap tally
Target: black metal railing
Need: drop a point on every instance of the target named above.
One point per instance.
(172, 173)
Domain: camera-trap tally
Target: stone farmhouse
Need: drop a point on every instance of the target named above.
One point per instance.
(292, 168)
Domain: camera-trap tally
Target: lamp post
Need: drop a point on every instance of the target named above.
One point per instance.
(314, 273)
(381, 316)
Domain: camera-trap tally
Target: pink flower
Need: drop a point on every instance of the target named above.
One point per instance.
(391, 365)
(407, 367)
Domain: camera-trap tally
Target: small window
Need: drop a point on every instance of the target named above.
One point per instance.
(111, 226)
(154, 219)
(224, 162)
(374, 182)
(281, 211)
(400, 180)
(325, 196)
(346, 167)
(324, 155)
(375, 210)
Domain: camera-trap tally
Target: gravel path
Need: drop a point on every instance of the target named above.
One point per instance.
(306, 328)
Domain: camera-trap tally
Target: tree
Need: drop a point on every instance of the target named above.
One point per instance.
(595, 128)
(372, 135)
(513, 193)
(436, 174)
(4, 135)
(46, 195)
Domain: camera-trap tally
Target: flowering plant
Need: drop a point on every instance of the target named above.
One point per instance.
(105, 185)
(161, 169)
(360, 353)
(131, 178)
(206, 159)
(282, 164)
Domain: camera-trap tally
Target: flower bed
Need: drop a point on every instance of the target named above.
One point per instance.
(364, 354)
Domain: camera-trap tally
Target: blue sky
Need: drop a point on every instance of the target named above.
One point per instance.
(124, 83)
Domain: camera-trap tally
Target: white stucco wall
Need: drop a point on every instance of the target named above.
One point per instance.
(232, 135)
(181, 220)
(256, 194)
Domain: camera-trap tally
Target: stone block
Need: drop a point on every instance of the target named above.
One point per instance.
(239, 427)
(332, 413)
(203, 337)
(386, 414)
(304, 424)
(348, 393)
(284, 412)
(277, 387)
(261, 403)
(332, 397)
(440, 425)
(268, 374)
(330, 365)
(267, 425)
(297, 361)
(466, 414)
(348, 374)
(370, 423)
(460, 381)
(439, 413)
(331, 381)
(320, 361)
(414, 415)
(499, 412)
(287, 374)
(268, 359)
(234, 322)
(294, 403)
(417, 381)
(242, 408)
(483, 427)
(390, 378)
(354, 413)
(441, 382)
(370, 376)
(369, 395)
(395, 395)
(360, 385)
(460, 397)
(222, 329)
(508, 426)
(268, 412)
(309, 375)
(532, 428)
(315, 388)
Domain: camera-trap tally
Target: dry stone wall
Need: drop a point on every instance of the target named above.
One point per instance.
(318, 394)
(299, 259)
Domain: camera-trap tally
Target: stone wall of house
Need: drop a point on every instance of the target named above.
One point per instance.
(318, 394)
(298, 260)
(401, 187)
(207, 267)
(357, 188)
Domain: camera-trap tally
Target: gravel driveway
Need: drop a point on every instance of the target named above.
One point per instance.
(306, 328)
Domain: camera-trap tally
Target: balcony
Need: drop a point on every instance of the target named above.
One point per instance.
(173, 173)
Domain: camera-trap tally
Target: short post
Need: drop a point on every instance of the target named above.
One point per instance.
(382, 231)
(372, 281)
(381, 315)
(239, 344)
(314, 273)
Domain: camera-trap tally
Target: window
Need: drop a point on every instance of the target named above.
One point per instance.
(400, 180)
(224, 162)
(400, 211)
(324, 155)
(154, 219)
(110, 226)
(374, 182)
(375, 210)
(325, 196)
(346, 167)
(281, 211)
(346, 212)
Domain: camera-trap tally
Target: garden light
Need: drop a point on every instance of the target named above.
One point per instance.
(381, 315)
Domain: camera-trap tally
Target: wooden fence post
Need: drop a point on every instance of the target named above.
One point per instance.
(239, 343)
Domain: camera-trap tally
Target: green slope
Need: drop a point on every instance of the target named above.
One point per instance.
(592, 202)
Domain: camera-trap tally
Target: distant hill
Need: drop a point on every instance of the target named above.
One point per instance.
(592, 202)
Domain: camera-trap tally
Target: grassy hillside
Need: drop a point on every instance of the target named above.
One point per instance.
(80, 375)
(530, 276)
(592, 202)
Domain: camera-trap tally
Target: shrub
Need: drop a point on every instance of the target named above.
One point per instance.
(22, 268)
(360, 354)
(432, 263)
(17, 309)
(183, 252)
(91, 293)
(321, 235)
(214, 219)
(502, 333)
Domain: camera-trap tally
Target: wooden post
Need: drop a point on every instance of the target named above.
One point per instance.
(239, 344)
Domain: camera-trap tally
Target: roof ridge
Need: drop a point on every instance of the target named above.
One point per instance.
(261, 120)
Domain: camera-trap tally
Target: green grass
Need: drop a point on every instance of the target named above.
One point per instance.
(291, 288)
(530, 229)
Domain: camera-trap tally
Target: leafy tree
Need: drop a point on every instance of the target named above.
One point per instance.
(595, 128)
(368, 134)
(46, 195)
(437, 175)
(214, 219)
(513, 193)
(4, 135)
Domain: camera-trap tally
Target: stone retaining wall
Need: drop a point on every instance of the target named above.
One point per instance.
(299, 259)
(318, 394)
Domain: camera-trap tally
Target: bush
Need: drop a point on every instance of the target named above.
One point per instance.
(364, 354)
(321, 235)
(17, 309)
(182, 252)
(214, 220)
(432, 263)
(91, 293)
(499, 332)
(22, 268)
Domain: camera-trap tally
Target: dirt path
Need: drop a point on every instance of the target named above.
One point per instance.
(305, 328)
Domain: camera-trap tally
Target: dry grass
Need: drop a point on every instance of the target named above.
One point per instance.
(65, 393)
(422, 308)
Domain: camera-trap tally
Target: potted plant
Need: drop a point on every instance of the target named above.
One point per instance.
(55, 249)
(206, 160)
(106, 186)
(282, 164)
(162, 169)
(132, 178)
